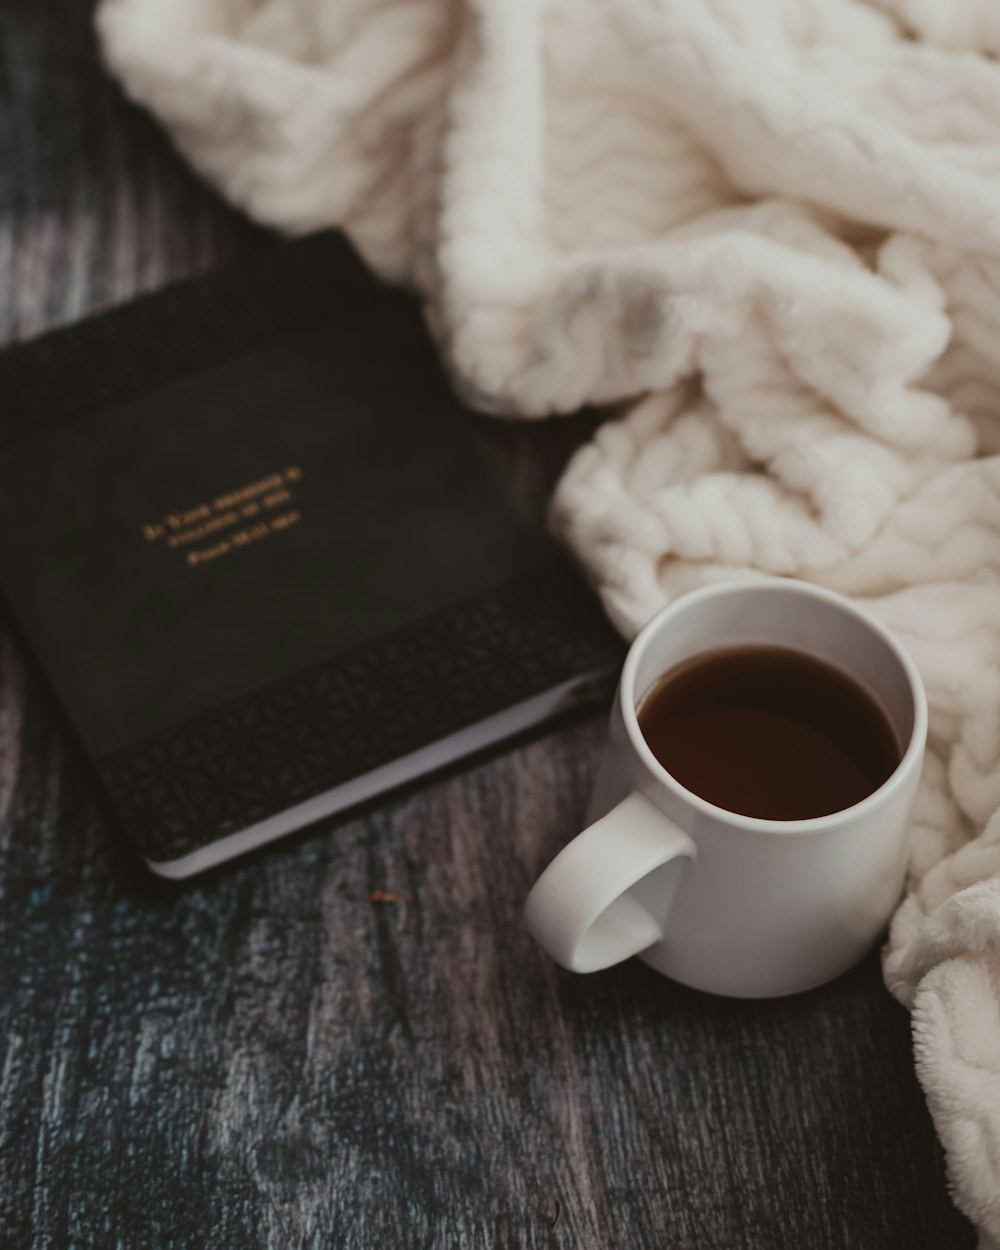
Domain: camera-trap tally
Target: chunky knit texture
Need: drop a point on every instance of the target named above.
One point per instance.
(778, 221)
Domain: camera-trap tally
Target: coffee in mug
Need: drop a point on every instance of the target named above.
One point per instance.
(769, 731)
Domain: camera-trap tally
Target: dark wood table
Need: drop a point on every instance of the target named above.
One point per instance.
(266, 1057)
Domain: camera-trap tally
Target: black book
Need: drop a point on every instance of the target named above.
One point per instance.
(264, 561)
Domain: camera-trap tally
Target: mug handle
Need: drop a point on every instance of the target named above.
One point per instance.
(580, 910)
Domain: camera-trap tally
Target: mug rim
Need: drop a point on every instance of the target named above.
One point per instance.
(759, 824)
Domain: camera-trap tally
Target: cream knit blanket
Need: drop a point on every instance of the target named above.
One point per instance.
(780, 222)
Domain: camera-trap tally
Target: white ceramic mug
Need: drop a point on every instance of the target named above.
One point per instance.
(722, 902)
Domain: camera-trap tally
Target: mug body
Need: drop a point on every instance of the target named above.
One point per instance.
(768, 907)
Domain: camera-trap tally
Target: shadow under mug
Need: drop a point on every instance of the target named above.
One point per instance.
(722, 902)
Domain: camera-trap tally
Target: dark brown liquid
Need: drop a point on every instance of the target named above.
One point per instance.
(769, 732)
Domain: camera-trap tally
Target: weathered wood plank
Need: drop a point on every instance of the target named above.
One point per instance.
(266, 1057)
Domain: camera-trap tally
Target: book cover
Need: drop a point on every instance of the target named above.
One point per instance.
(262, 559)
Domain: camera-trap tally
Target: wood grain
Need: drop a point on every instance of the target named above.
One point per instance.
(267, 1057)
